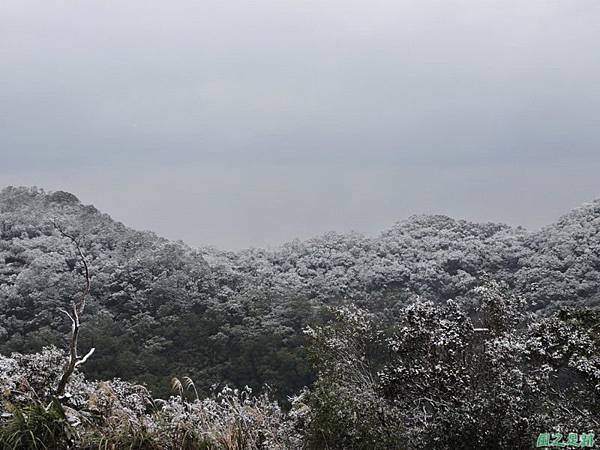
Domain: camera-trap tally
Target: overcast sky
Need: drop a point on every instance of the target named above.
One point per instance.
(250, 123)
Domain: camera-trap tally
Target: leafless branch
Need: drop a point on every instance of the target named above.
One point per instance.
(77, 309)
(85, 358)
(86, 270)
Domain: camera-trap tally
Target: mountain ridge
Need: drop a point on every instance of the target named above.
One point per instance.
(160, 307)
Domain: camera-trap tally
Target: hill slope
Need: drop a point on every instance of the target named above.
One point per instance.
(160, 308)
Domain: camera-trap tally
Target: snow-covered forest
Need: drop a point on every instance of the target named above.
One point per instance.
(437, 333)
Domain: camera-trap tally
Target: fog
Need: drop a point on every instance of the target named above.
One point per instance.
(252, 123)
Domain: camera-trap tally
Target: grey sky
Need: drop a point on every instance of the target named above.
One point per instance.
(253, 122)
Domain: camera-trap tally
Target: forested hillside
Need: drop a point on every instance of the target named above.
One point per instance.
(160, 308)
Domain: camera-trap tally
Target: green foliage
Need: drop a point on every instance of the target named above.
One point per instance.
(34, 426)
(128, 435)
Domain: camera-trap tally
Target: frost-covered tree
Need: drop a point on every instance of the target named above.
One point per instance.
(478, 374)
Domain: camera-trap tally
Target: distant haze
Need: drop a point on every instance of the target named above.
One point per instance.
(251, 123)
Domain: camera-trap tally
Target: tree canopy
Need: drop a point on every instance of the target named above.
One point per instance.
(159, 307)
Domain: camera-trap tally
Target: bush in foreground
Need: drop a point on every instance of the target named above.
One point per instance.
(119, 415)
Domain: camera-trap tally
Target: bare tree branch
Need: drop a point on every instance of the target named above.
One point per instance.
(83, 259)
(85, 358)
(77, 309)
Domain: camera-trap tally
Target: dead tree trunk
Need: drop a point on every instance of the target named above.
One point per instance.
(77, 307)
